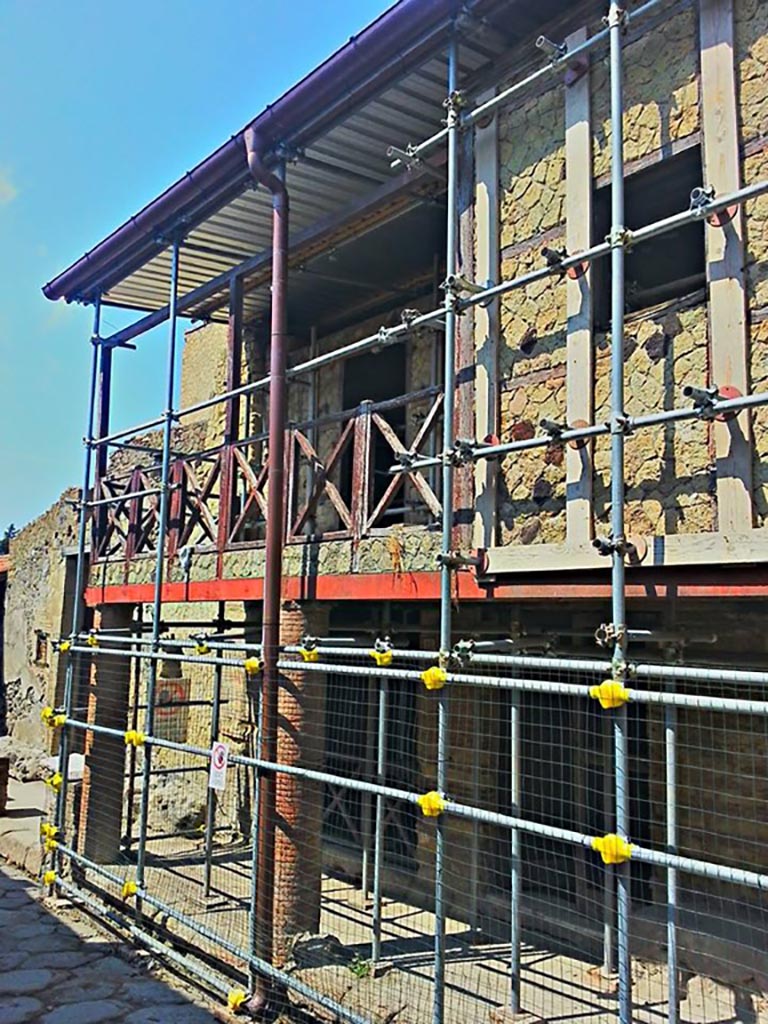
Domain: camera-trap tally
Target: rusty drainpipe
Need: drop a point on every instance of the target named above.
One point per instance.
(274, 556)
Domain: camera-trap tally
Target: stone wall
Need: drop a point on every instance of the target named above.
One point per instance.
(34, 618)
(670, 473)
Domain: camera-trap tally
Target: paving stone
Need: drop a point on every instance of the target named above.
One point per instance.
(83, 983)
(186, 1014)
(31, 929)
(48, 943)
(89, 1012)
(18, 983)
(148, 992)
(12, 961)
(71, 959)
(114, 967)
(20, 1009)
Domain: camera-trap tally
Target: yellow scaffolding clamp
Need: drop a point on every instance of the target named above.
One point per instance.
(49, 878)
(308, 648)
(382, 653)
(432, 804)
(92, 640)
(134, 738)
(610, 693)
(252, 666)
(235, 999)
(612, 848)
(48, 830)
(54, 781)
(434, 678)
(201, 646)
(129, 889)
(52, 718)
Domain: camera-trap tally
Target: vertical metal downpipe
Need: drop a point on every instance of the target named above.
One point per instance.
(162, 531)
(73, 664)
(274, 557)
(446, 572)
(616, 17)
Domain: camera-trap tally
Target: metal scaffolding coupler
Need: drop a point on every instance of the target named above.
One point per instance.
(458, 284)
(632, 549)
(701, 197)
(617, 16)
(410, 159)
(620, 238)
(462, 453)
(455, 560)
(607, 634)
(555, 51)
(555, 430)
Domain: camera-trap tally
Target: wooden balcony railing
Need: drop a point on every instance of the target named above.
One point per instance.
(338, 485)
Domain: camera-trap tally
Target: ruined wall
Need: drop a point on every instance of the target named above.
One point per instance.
(670, 488)
(34, 605)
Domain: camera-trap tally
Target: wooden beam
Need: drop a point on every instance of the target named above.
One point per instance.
(487, 268)
(579, 350)
(725, 264)
(680, 549)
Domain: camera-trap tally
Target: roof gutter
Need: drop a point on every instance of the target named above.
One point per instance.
(385, 42)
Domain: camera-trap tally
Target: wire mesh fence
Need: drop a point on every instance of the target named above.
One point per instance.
(531, 856)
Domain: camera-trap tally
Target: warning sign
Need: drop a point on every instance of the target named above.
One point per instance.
(219, 758)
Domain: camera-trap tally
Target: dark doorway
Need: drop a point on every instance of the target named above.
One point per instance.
(376, 378)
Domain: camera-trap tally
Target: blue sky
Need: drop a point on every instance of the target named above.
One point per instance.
(104, 104)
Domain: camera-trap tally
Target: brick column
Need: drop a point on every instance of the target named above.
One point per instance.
(107, 693)
(300, 741)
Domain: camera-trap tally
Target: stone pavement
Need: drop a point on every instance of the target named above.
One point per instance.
(59, 968)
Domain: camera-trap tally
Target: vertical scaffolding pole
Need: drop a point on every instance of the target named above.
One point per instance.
(135, 697)
(515, 866)
(210, 807)
(162, 530)
(446, 572)
(670, 750)
(73, 664)
(616, 20)
(378, 832)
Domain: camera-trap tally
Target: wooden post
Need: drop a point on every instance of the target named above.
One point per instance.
(579, 349)
(232, 414)
(725, 265)
(486, 321)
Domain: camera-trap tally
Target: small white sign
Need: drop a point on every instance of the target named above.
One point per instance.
(219, 758)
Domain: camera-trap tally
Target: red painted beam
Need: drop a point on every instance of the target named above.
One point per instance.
(425, 586)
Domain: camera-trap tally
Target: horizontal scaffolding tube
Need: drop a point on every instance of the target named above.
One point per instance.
(120, 498)
(694, 866)
(215, 645)
(664, 697)
(392, 335)
(191, 659)
(637, 670)
(484, 109)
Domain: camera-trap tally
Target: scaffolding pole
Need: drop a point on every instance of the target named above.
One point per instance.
(453, 101)
(162, 528)
(73, 663)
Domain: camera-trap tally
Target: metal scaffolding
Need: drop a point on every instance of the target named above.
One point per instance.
(615, 685)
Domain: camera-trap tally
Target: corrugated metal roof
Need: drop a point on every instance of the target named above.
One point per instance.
(341, 161)
(330, 174)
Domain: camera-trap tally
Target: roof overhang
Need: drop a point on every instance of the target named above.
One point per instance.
(384, 87)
